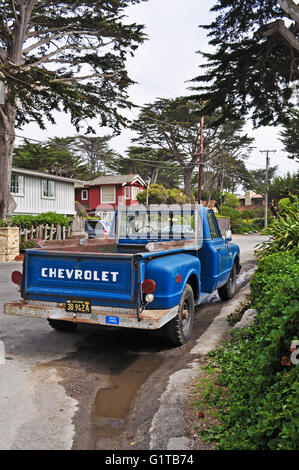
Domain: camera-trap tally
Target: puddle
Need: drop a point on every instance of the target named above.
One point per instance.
(112, 404)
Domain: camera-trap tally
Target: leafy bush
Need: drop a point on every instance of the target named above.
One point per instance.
(254, 385)
(284, 233)
(25, 245)
(241, 226)
(52, 218)
(247, 214)
(22, 221)
(289, 204)
(158, 194)
(231, 200)
(26, 221)
(230, 212)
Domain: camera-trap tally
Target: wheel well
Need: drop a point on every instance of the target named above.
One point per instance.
(193, 282)
(237, 263)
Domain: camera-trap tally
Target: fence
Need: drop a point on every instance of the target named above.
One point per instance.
(46, 232)
(54, 232)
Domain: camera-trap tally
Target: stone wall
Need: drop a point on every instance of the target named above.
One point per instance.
(9, 243)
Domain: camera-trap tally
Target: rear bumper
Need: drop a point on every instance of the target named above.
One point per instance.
(108, 316)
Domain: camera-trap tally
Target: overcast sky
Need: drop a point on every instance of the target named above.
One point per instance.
(162, 67)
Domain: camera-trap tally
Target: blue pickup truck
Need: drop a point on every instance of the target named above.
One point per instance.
(158, 264)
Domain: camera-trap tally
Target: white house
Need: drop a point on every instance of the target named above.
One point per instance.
(35, 192)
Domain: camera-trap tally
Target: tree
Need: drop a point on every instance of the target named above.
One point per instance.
(62, 55)
(253, 67)
(290, 135)
(53, 157)
(284, 186)
(173, 126)
(95, 153)
(257, 179)
(148, 162)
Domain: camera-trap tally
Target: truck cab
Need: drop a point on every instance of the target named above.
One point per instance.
(157, 265)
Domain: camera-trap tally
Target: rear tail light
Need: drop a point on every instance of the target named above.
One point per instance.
(148, 286)
(16, 277)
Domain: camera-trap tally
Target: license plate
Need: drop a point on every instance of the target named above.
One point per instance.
(78, 306)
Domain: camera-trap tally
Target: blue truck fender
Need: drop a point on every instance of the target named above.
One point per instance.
(171, 274)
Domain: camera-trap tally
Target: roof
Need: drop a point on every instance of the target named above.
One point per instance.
(253, 196)
(25, 171)
(113, 179)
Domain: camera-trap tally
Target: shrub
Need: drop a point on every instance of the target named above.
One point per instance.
(252, 374)
(247, 214)
(241, 226)
(231, 200)
(25, 245)
(52, 218)
(23, 221)
(157, 194)
(283, 232)
(230, 212)
(26, 221)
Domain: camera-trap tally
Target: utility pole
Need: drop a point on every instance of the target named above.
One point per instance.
(267, 184)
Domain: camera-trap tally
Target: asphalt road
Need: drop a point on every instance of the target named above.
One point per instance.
(102, 388)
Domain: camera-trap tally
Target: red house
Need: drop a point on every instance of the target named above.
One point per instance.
(100, 196)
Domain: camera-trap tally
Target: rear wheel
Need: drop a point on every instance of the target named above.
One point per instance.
(62, 325)
(227, 291)
(179, 329)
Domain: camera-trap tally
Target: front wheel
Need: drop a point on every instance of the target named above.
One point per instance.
(62, 325)
(227, 291)
(179, 329)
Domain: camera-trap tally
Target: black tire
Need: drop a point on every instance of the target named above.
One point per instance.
(227, 291)
(179, 329)
(62, 325)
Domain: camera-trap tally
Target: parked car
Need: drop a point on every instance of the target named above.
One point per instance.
(97, 228)
(135, 280)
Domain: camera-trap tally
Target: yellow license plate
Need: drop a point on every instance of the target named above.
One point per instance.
(78, 306)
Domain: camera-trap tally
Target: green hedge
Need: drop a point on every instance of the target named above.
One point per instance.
(26, 221)
(257, 383)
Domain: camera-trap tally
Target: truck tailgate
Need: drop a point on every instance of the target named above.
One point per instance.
(107, 280)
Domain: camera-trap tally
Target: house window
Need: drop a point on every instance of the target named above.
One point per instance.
(127, 192)
(135, 191)
(108, 194)
(84, 195)
(48, 189)
(17, 185)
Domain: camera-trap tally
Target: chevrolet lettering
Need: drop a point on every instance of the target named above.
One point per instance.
(86, 275)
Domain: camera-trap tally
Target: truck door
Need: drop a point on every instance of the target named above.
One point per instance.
(223, 256)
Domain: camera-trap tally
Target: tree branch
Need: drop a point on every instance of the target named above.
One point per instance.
(290, 7)
(279, 27)
(59, 36)
(73, 79)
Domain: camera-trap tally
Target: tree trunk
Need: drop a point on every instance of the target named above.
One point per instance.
(7, 128)
(154, 177)
(187, 180)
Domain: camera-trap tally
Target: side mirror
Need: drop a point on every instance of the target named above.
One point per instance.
(228, 236)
